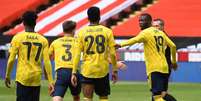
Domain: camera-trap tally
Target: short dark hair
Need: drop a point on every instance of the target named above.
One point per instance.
(147, 15)
(68, 26)
(161, 22)
(29, 18)
(93, 14)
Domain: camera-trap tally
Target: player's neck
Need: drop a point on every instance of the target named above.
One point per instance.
(29, 29)
(145, 27)
(68, 35)
(93, 23)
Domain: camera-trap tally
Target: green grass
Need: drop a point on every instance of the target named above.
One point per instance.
(122, 91)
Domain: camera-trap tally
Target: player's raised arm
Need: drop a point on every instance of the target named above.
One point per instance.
(12, 54)
(139, 38)
(47, 63)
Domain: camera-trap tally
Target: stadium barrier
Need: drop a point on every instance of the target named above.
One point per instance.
(187, 71)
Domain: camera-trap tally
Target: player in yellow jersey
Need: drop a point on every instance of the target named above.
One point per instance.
(31, 49)
(160, 24)
(97, 44)
(63, 51)
(155, 42)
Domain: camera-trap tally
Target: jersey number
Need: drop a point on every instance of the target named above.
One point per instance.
(100, 40)
(67, 51)
(159, 42)
(29, 45)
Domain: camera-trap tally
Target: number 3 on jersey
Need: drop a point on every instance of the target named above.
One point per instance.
(99, 40)
(67, 51)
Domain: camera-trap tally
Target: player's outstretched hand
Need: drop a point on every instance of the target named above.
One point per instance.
(50, 88)
(7, 82)
(174, 66)
(114, 76)
(117, 46)
(121, 65)
(74, 80)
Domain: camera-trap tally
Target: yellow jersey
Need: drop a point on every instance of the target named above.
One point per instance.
(31, 48)
(97, 44)
(63, 51)
(155, 42)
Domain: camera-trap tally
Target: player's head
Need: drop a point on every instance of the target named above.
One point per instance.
(29, 18)
(93, 14)
(69, 27)
(158, 23)
(145, 20)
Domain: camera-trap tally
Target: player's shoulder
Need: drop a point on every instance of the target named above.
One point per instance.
(58, 40)
(150, 29)
(41, 37)
(19, 36)
(105, 28)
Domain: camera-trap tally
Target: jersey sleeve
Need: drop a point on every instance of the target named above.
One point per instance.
(172, 48)
(139, 38)
(112, 51)
(12, 54)
(78, 48)
(51, 49)
(47, 63)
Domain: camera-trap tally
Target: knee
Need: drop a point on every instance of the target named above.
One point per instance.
(57, 98)
(76, 98)
(164, 93)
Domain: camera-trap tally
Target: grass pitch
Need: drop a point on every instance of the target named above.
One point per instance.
(122, 91)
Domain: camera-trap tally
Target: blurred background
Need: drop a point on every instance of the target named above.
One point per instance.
(182, 23)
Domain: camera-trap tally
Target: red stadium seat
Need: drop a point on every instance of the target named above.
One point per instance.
(49, 22)
(182, 18)
(13, 9)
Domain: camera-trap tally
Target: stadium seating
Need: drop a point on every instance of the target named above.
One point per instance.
(49, 22)
(181, 17)
(11, 10)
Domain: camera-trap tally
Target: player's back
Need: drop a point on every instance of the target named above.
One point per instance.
(63, 51)
(154, 47)
(29, 47)
(95, 41)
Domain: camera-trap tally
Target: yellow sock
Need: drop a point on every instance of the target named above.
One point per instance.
(87, 99)
(103, 99)
(158, 98)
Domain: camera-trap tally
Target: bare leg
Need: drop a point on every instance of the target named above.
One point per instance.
(88, 90)
(57, 98)
(76, 98)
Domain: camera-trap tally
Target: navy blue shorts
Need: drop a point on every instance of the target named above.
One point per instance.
(63, 81)
(101, 85)
(27, 93)
(159, 82)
